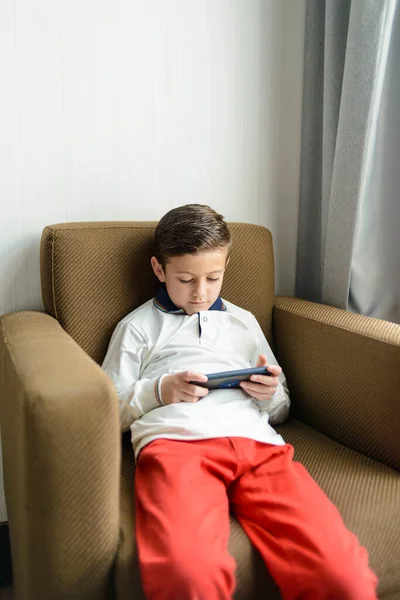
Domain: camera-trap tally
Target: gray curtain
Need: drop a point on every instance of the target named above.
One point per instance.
(348, 173)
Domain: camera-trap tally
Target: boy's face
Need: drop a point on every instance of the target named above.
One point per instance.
(193, 281)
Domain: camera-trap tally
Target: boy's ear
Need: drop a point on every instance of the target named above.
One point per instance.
(157, 268)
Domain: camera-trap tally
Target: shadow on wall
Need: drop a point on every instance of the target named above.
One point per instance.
(20, 288)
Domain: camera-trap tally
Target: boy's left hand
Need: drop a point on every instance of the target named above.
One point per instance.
(262, 387)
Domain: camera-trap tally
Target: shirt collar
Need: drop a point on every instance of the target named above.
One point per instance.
(164, 303)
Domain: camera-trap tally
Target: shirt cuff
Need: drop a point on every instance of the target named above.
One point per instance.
(277, 407)
(157, 390)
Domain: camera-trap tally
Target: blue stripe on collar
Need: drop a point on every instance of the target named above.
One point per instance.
(218, 305)
(164, 303)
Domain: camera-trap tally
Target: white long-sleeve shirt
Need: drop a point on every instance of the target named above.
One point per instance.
(150, 342)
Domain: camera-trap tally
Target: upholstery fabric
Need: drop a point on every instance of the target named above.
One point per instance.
(61, 448)
(366, 492)
(343, 371)
(93, 274)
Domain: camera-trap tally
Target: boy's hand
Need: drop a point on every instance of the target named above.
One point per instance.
(177, 388)
(262, 387)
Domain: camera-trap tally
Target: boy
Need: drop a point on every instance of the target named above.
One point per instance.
(201, 454)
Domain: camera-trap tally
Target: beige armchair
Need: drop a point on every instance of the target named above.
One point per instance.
(69, 479)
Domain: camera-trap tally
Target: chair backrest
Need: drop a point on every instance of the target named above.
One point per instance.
(93, 274)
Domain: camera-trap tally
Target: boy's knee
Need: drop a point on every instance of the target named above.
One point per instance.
(342, 581)
(196, 574)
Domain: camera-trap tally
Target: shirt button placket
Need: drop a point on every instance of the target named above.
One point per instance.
(204, 326)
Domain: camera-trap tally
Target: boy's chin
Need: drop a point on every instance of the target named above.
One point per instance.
(192, 309)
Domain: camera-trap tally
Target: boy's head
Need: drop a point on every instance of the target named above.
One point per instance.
(193, 245)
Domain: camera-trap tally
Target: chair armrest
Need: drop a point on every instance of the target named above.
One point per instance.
(61, 452)
(343, 372)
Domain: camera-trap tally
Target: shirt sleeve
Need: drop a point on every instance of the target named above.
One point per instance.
(279, 405)
(122, 363)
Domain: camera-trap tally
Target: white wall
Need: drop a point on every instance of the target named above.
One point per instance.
(123, 109)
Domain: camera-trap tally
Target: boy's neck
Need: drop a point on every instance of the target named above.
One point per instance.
(164, 303)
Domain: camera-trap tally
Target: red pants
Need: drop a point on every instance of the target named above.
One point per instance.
(184, 491)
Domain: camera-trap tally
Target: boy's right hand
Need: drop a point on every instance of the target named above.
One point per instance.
(177, 388)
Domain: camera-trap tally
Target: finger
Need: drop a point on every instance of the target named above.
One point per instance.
(266, 380)
(257, 388)
(256, 396)
(193, 376)
(274, 369)
(262, 361)
(194, 390)
(183, 397)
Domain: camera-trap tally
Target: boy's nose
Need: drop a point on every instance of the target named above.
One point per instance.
(200, 291)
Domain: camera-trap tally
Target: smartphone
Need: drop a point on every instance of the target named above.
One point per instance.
(230, 379)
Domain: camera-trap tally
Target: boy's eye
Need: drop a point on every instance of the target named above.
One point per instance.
(212, 279)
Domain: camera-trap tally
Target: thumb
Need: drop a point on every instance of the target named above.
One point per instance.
(262, 361)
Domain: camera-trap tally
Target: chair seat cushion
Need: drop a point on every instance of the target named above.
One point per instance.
(367, 494)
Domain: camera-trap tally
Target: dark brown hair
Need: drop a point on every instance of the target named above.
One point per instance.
(190, 229)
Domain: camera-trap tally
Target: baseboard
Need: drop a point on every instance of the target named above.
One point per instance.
(5, 556)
